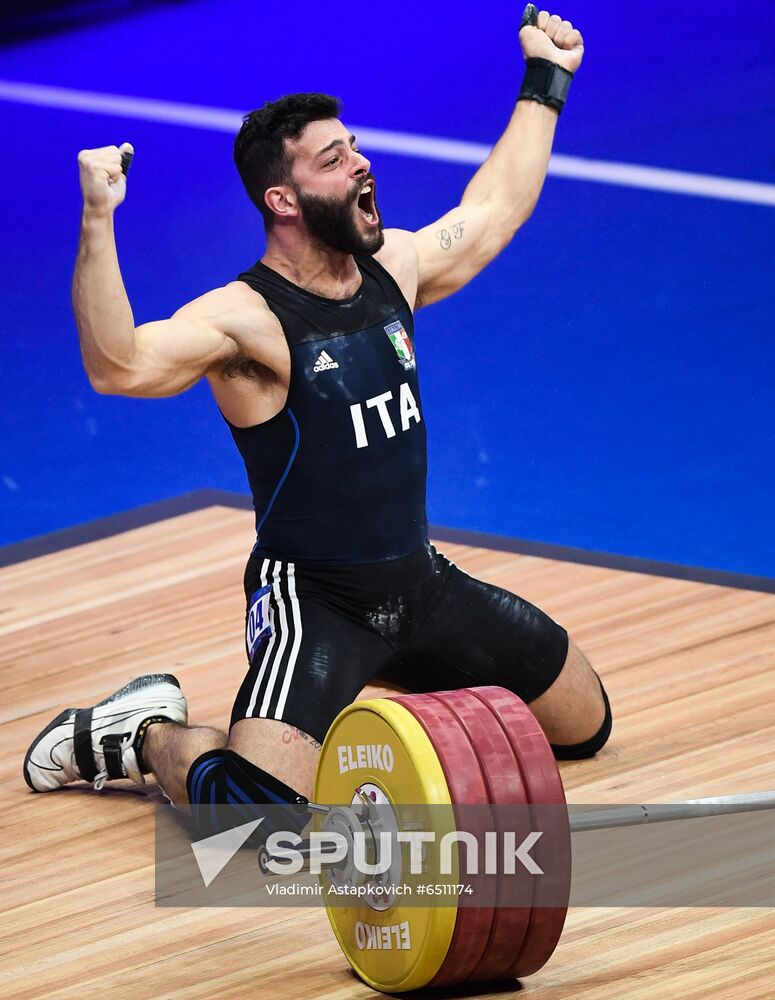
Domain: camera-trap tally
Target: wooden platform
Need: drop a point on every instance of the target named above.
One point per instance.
(689, 667)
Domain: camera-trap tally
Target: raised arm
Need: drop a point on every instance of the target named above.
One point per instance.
(156, 359)
(503, 192)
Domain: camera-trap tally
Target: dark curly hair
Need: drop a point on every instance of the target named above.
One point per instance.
(259, 148)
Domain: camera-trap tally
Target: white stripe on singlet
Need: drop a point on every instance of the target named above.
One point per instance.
(269, 645)
(297, 633)
(277, 658)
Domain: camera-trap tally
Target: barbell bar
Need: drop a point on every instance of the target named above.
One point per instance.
(639, 815)
(610, 818)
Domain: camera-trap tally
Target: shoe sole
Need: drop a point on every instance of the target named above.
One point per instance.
(147, 680)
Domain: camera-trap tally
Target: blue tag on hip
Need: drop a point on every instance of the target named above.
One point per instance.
(259, 626)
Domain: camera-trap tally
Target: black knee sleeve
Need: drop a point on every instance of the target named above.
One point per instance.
(579, 751)
(221, 778)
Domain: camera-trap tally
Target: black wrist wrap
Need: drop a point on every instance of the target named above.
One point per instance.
(545, 82)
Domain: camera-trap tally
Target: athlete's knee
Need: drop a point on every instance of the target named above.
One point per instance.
(572, 709)
(226, 790)
(596, 742)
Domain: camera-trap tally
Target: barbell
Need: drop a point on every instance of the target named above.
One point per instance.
(442, 753)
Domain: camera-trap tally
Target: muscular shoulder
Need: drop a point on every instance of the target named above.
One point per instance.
(233, 309)
(242, 315)
(399, 257)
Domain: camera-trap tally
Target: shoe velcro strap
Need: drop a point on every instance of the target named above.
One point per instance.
(113, 750)
(82, 745)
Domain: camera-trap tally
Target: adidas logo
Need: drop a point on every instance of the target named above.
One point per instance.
(325, 363)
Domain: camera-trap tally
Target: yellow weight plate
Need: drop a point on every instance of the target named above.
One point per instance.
(380, 744)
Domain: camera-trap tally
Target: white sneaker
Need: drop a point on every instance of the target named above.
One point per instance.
(104, 742)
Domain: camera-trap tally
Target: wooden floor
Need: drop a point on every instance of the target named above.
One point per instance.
(689, 668)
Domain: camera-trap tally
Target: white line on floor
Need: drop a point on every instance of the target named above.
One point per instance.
(401, 143)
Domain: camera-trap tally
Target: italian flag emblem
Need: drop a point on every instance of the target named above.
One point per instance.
(399, 338)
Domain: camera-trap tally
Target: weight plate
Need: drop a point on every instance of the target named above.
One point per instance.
(505, 787)
(467, 786)
(381, 744)
(552, 852)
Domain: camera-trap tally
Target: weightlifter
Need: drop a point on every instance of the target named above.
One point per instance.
(310, 357)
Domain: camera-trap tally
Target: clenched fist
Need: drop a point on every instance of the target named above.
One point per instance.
(103, 182)
(553, 39)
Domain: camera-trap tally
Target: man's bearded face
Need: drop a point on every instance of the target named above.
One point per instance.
(351, 225)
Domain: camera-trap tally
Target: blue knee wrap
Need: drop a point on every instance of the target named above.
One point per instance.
(221, 778)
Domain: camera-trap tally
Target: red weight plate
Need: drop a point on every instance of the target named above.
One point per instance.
(466, 785)
(544, 787)
(505, 787)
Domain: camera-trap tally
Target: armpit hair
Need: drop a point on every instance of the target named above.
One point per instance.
(240, 366)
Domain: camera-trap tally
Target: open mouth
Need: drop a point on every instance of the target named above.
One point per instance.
(367, 204)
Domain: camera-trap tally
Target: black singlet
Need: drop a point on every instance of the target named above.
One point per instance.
(338, 475)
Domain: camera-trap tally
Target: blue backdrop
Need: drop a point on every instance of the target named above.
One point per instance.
(607, 383)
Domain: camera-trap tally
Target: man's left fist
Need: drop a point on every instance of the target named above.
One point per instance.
(553, 39)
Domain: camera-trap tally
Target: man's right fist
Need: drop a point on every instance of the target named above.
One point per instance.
(103, 183)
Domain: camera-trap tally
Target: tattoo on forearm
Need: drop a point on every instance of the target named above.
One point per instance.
(446, 237)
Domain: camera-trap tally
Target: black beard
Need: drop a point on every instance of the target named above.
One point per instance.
(333, 224)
